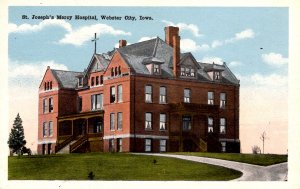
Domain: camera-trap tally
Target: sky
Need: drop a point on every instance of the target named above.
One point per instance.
(252, 41)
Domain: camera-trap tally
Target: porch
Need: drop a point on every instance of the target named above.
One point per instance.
(80, 132)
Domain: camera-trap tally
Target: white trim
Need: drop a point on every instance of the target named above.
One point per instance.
(229, 140)
(136, 136)
(51, 90)
(46, 141)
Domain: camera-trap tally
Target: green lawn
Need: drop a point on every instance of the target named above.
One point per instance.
(256, 159)
(106, 166)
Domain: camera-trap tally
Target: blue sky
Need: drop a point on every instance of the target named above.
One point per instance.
(233, 35)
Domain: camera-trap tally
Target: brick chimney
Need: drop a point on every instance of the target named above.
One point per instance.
(172, 38)
(122, 43)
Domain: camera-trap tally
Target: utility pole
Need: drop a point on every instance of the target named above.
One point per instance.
(263, 137)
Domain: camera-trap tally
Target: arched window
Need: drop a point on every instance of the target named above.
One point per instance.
(112, 72)
(45, 86)
(101, 80)
(119, 70)
(50, 85)
(116, 70)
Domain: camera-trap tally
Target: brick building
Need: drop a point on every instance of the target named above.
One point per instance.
(143, 97)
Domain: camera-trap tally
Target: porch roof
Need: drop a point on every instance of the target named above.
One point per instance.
(82, 115)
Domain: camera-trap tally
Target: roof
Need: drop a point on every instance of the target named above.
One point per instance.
(138, 55)
(66, 79)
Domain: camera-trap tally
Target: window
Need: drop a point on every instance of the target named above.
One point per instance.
(92, 81)
(50, 104)
(45, 106)
(97, 101)
(44, 129)
(119, 120)
(112, 72)
(101, 80)
(112, 95)
(193, 72)
(80, 82)
(97, 127)
(162, 121)
(148, 121)
(223, 144)
(156, 68)
(120, 92)
(111, 145)
(222, 100)
(50, 85)
(186, 123)
(148, 143)
(148, 93)
(182, 73)
(210, 125)
(119, 68)
(210, 97)
(97, 80)
(162, 95)
(119, 144)
(79, 104)
(45, 86)
(162, 145)
(222, 125)
(217, 75)
(187, 96)
(50, 128)
(49, 148)
(187, 72)
(112, 121)
(116, 71)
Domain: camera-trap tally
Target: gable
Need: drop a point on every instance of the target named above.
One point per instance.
(188, 60)
(49, 79)
(117, 63)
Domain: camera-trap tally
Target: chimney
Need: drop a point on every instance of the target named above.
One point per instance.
(122, 43)
(172, 38)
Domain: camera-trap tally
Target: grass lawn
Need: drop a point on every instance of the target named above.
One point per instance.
(256, 159)
(118, 166)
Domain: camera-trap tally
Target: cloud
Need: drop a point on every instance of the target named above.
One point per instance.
(73, 36)
(216, 43)
(245, 34)
(188, 45)
(33, 70)
(259, 80)
(183, 26)
(24, 79)
(146, 38)
(211, 60)
(264, 107)
(79, 36)
(274, 59)
(26, 28)
(234, 64)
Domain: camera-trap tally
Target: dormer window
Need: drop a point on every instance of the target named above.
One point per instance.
(192, 72)
(188, 72)
(156, 69)
(217, 75)
(92, 81)
(80, 82)
(182, 71)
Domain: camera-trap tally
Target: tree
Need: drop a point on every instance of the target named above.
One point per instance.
(256, 149)
(16, 139)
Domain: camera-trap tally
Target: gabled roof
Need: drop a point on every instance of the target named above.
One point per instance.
(66, 79)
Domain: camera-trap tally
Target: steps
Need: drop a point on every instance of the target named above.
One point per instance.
(66, 149)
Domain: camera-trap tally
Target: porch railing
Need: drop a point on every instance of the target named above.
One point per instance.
(60, 146)
(82, 140)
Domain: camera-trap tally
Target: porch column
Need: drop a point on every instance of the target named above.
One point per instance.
(72, 127)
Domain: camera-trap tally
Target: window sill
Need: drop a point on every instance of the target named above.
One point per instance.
(148, 129)
(148, 102)
(163, 130)
(163, 103)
